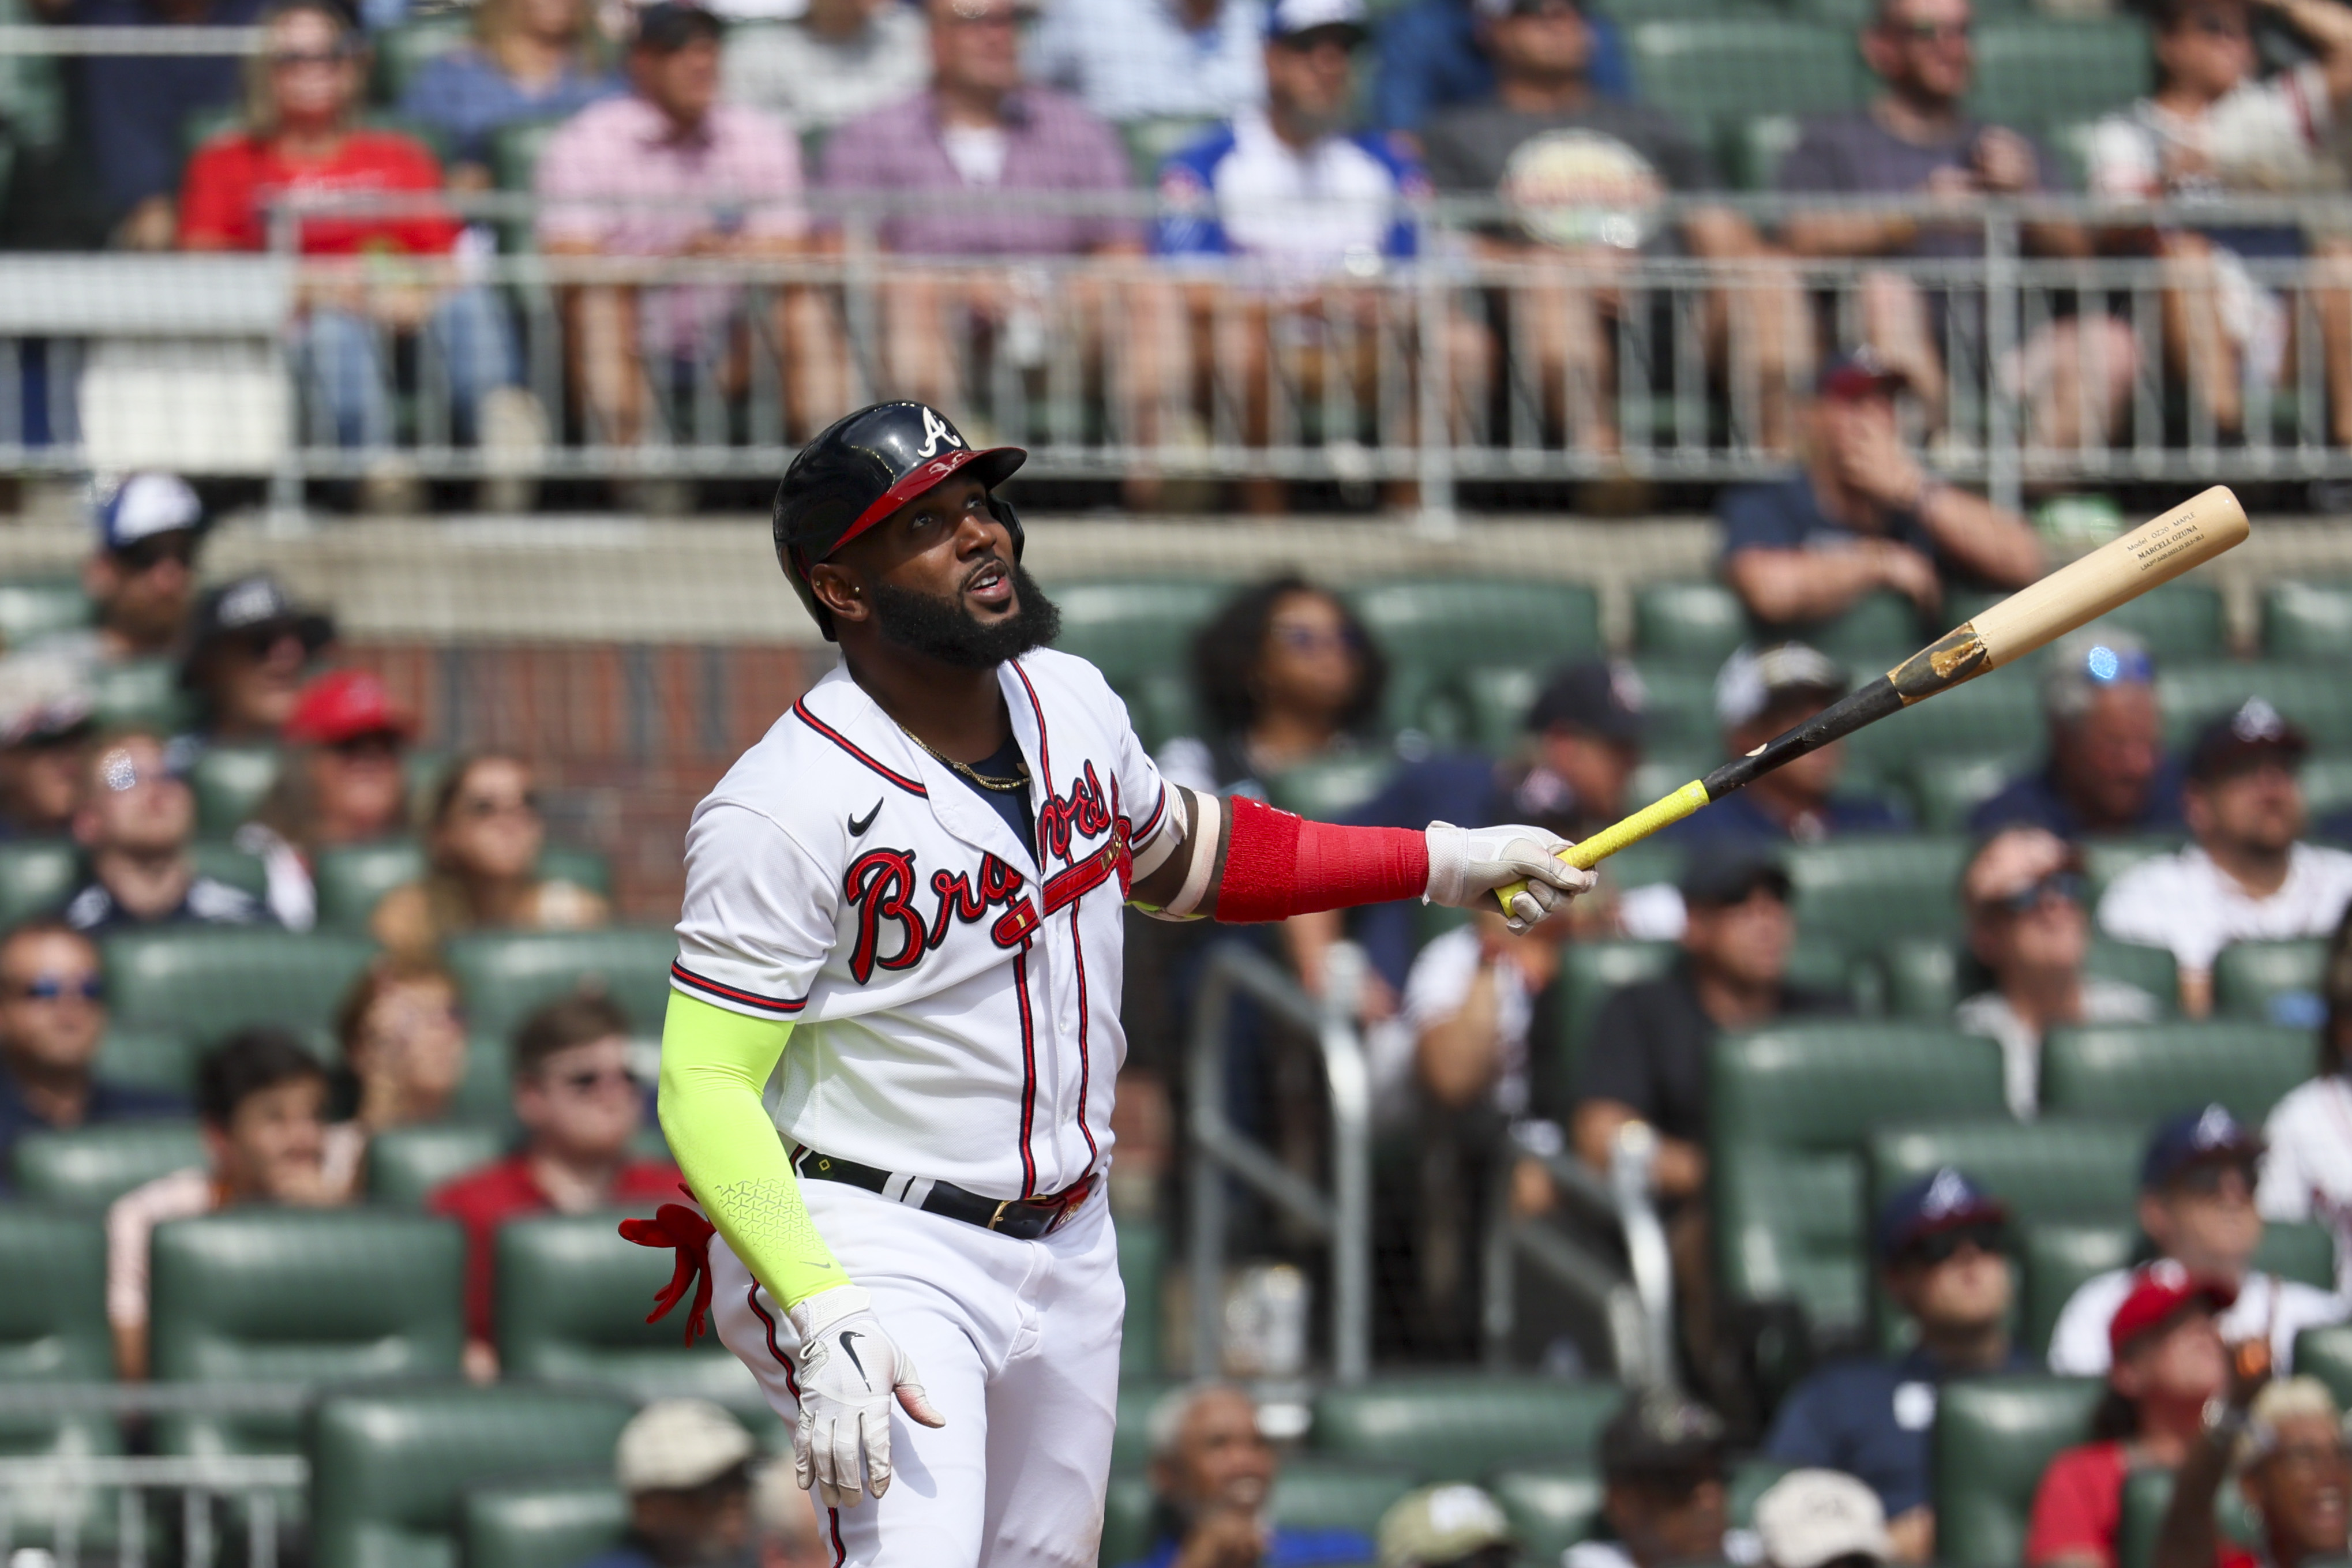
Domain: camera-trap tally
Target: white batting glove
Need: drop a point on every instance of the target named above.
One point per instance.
(848, 1371)
(1468, 864)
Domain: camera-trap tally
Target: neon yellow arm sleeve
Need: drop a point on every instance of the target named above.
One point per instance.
(714, 1064)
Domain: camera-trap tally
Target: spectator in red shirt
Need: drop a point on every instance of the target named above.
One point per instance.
(580, 1106)
(381, 272)
(2170, 1362)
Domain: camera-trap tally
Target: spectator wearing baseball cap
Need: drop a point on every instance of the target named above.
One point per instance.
(1433, 57)
(1213, 1471)
(1862, 516)
(1452, 1526)
(2307, 1170)
(46, 728)
(135, 826)
(2197, 1209)
(2167, 1362)
(1821, 1518)
(342, 782)
(1758, 693)
(140, 575)
(1663, 1469)
(2107, 771)
(1940, 1247)
(2021, 896)
(2248, 877)
(686, 1467)
(248, 648)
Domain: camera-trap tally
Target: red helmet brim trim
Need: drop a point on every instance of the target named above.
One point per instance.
(921, 481)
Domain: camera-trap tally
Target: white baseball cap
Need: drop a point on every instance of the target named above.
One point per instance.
(678, 1445)
(1751, 678)
(1288, 18)
(1808, 1517)
(144, 505)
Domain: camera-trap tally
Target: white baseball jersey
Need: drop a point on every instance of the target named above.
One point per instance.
(2187, 903)
(956, 992)
(2308, 1175)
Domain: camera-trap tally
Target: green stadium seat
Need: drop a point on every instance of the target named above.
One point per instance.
(1994, 719)
(1589, 973)
(1433, 629)
(1994, 1436)
(1551, 1506)
(506, 975)
(2053, 1169)
(1791, 1106)
(1946, 790)
(2307, 620)
(2148, 1072)
(224, 862)
(1923, 975)
(1880, 630)
(2327, 785)
(209, 981)
(578, 865)
(1311, 1493)
(1142, 1267)
(2298, 1250)
(231, 782)
(1483, 709)
(1681, 716)
(1322, 791)
(1866, 890)
(260, 1295)
(32, 607)
(2147, 1493)
(2314, 696)
(2269, 980)
(1726, 69)
(1129, 627)
(2056, 1257)
(2035, 71)
(402, 49)
(1691, 623)
(1754, 150)
(144, 694)
(352, 878)
(2326, 1355)
(390, 1470)
(404, 1164)
(2105, 859)
(53, 1314)
(147, 1058)
(553, 1523)
(515, 148)
(90, 1167)
(1151, 142)
(572, 1302)
(1130, 1443)
(36, 876)
(1128, 1508)
(2180, 621)
(1459, 1425)
(1160, 705)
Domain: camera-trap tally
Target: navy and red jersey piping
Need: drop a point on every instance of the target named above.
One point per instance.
(781, 1007)
(1028, 1073)
(912, 786)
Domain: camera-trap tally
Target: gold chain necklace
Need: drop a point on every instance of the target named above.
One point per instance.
(1002, 786)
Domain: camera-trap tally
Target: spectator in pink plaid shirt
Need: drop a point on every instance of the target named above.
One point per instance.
(671, 140)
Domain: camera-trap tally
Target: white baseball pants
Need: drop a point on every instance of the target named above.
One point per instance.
(1017, 1343)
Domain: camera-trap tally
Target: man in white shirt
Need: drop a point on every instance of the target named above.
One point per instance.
(836, 60)
(2308, 1174)
(2197, 1204)
(2248, 878)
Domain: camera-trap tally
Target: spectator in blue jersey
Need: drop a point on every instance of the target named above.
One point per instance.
(1758, 693)
(1432, 59)
(1212, 1472)
(2107, 771)
(1277, 220)
(1938, 1243)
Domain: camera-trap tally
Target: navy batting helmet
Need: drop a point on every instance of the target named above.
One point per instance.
(866, 465)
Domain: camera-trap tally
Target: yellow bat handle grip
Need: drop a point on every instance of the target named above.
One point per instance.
(1633, 830)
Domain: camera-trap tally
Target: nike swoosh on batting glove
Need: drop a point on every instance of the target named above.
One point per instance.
(1467, 864)
(849, 1371)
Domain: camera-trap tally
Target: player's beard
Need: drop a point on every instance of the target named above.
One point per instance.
(944, 630)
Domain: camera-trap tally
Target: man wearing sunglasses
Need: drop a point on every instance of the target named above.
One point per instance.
(1940, 1244)
(1666, 1493)
(2196, 1206)
(136, 820)
(246, 653)
(141, 574)
(52, 1013)
(2022, 895)
(2249, 876)
(2107, 771)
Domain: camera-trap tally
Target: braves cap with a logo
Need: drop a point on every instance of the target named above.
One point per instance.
(1289, 18)
(2160, 1291)
(144, 505)
(2255, 732)
(1598, 696)
(1944, 1199)
(2209, 1135)
(1809, 1518)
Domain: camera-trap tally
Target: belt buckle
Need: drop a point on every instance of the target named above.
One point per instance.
(998, 1217)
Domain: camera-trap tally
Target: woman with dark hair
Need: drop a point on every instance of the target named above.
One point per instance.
(1284, 675)
(404, 1042)
(483, 840)
(2308, 1173)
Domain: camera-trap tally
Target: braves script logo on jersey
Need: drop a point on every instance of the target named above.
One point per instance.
(882, 884)
(1085, 812)
(936, 435)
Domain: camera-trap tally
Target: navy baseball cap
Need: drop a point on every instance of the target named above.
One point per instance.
(1287, 19)
(144, 505)
(1944, 1199)
(666, 26)
(1730, 877)
(1659, 1434)
(2209, 1135)
(1602, 697)
(2255, 732)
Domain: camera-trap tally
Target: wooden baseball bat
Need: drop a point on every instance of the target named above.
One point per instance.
(2114, 574)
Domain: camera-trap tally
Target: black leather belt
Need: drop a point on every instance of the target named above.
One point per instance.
(1023, 1219)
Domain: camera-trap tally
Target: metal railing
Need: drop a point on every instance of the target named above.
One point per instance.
(1342, 1216)
(69, 1494)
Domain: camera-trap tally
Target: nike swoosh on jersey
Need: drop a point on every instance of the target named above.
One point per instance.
(858, 825)
(851, 1352)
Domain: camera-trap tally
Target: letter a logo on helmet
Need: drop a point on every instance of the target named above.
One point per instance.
(863, 467)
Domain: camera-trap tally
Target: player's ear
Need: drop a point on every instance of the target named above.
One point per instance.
(839, 591)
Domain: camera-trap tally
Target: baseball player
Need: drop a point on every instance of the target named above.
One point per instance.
(910, 894)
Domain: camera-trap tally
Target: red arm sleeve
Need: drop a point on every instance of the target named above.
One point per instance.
(1278, 865)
